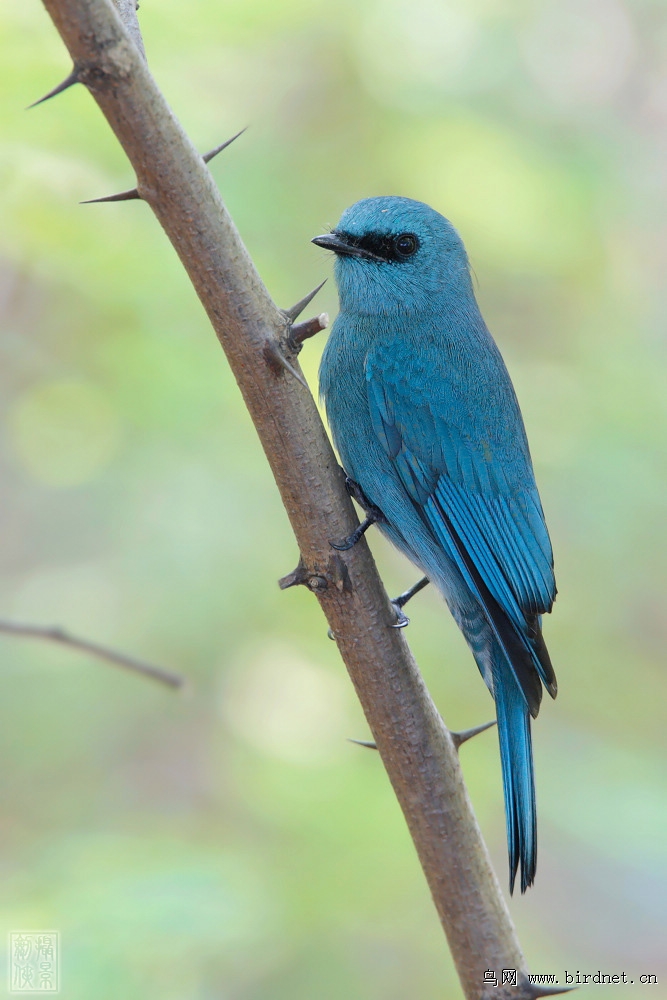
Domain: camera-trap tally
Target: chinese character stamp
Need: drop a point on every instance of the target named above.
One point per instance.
(33, 962)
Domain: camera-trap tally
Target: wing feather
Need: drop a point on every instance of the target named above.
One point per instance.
(480, 502)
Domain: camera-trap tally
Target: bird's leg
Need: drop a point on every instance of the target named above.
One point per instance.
(351, 540)
(399, 602)
(356, 492)
(373, 515)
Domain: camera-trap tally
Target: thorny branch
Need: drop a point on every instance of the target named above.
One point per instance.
(417, 750)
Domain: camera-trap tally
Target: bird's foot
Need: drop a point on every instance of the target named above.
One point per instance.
(399, 602)
(351, 540)
(373, 515)
(402, 620)
(356, 492)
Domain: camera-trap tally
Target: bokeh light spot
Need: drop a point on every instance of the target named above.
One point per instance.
(286, 706)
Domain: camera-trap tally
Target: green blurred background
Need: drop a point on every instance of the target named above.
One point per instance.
(228, 843)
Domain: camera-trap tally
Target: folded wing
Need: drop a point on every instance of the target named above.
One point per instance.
(467, 469)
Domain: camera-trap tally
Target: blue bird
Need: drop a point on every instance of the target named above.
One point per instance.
(428, 427)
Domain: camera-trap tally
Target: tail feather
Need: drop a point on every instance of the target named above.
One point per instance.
(516, 755)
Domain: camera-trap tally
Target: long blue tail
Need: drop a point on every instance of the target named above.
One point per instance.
(516, 756)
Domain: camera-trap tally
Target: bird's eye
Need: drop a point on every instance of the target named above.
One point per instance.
(406, 244)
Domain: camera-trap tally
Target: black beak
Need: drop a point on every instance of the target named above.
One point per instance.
(341, 244)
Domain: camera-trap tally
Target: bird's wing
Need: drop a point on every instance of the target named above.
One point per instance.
(465, 464)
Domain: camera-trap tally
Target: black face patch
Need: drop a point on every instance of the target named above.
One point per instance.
(382, 246)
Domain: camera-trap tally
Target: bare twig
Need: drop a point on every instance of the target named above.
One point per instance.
(417, 750)
(53, 633)
(302, 331)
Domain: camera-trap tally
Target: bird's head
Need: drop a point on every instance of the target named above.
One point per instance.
(395, 254)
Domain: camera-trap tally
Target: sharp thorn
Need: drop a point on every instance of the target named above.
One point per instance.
(207, 157)
(68, 82)
(330, 634)
(275, 360)
(297, 309)
(535, 991)
(467, 734)
(288, 367)
(132, 195)
(364, 743)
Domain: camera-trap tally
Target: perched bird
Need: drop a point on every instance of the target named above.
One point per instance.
(428, 427)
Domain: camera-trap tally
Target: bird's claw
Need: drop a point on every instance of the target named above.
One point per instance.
(346, 543)
(399, 602)
(373, 515)
(402, 620)
(351, 540)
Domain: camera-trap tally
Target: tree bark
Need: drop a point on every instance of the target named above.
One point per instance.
(417, 750)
